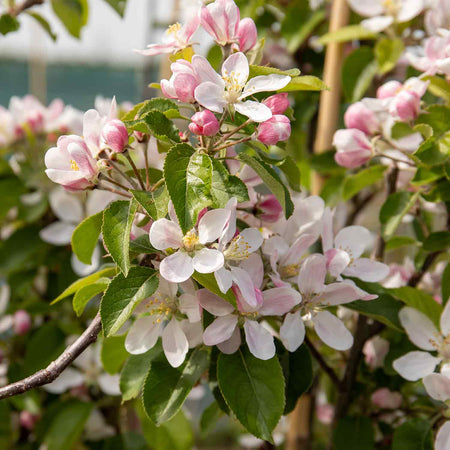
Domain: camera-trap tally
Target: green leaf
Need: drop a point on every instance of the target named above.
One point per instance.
(253, 389)
(256, 71)
(116, 229)
(445, 287)
(358, 71)
(432, 151)
(419, 300)
(440, 240)
(439, 87)
(292, 173)
(160, 126)
(86, 293)
(118, 6)
(113, 353)
(225, 186)
(166, 387)
(8, 24)
(86, 281)
(208, 281)
(437, 117)
(354, 433)
(305, 83)
(135, 370)
(272, 181)
(387, 53)
(400, 241)
(394, 209)
(348, 33)
(211, 414)
(366, 177)
(123, 294)
(42, 21)
(188, 178)
(142, 245)
(72, 13)
(155, 104)
(67, 425)
(85, 237)
(155, 203)
(415, 434)
(298, 374)
(426, 175)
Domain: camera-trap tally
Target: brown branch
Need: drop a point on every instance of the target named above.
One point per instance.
(55, 368)
(327, 369)
(417, 277)
(27, 4)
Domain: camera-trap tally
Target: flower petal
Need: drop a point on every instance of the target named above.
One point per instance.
(212, 224)
(278, 301)
(245, 285)
(353, 240)
(109, 384)
(254, 266)
(68, 379)
(210, 96)
(312, 274)
(265, 83)
(415, 365)
(231, 345)
(177, 267)
(175, 343)
(377, 24)
(437, 386)
(236, 67)
(220, 330)
(224, 279)
(189, 305)
(332, 331)
(143, 335)
(443, 437)
(259, 340)
(208, 260)
(367, 270)
(366, 8)
(213, 303)
(165, 234)
(57, 233)
(445, 320)
(253, 110)
(67, 207)
(292, 331)
(343, 292)
(419, 328)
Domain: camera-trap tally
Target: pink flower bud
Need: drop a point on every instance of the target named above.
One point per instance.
(247, 34)
(385, 399)
(270, 209)
(221, 19)
(359, 116)
(277, 103)
(388, 89)
(28, 420)
(115, 135)
(277, 128)
(405, 105)
(375, 350)
(353, 148)
(204, 123)
(325, 413)
(22, 322)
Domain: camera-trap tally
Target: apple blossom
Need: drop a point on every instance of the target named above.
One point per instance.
(359, 116)
(234, 87)
(22, 322)
(405, 105)
(247, 34)
(278, 103)
(423, 333)
(204, 123)
(375, 350)
(115, 135)
(221, 20)
(192, 252)
(385, 399)
(353, 149)
(277, 128)
(343, 256)
(389, 89)
(443, 437)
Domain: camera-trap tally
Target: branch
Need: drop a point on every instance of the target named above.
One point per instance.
(27, 4)
(55, 368)
(417, 277)
(327, 369)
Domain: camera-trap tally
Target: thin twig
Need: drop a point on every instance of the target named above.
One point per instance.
(328, 370)
(417, 276)
(228, 135)
(147, 175)
(135, 170)
(115, 191)
(27, 4)
(111, 180)
(121, 172)
(55, 368)
(230, 144)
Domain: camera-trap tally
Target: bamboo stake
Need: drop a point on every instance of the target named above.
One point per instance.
(329, 100)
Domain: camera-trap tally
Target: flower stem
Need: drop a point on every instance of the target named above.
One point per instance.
(135, 170)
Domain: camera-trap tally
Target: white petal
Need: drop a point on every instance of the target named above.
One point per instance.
(212, 224)
(109, 384)
(67, 207)
(445, 320)
(177, 267)
(236, 66)
(409, 9)
(143, 335)
(415, 365)
(253, 238)
(220, 330)
(337, 261)
(367, 8)
(231, 345)
(68, 379)
(332, 331)
(278, 301)
(253, 110)
(367, 270)
(298, 248)
(81, 269)
(208, 260)
(193, 332)
(98, 200)
(437, 386)
(213, 303)
(245, 285)
(254, 266)
(327, 230)
(353, 240)
(312, 274)
(165, 234)
(265, 83)
(259, 340)
(57, 233)
(224, 279)
(292, 331)
(443, 437)
(175, 343)
(204, 70)
(211, 96)
(343, 292)
(420, 329)
(189, 305)
(377, 24)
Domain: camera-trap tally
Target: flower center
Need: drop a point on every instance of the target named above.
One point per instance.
(161, 307)
(234, 87)
(74, 165)
(190, 240)
(174, 29)
(443, 347)
(291, 270)
(391, 7)
(238, 249)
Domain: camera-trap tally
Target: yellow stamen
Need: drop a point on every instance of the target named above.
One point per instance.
(74, 165)
(190, 240)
